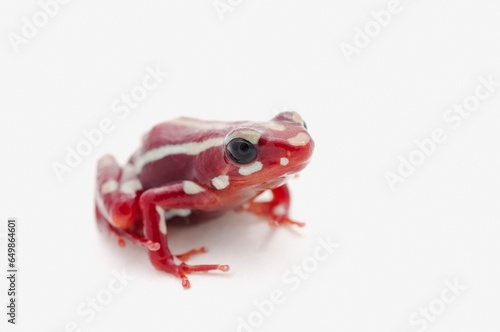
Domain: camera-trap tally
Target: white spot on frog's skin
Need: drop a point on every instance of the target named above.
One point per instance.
(109, 187)
(279, 210)
(284, 161)
(220, 182)
(300, 139)
(247, 170)
(162, 224)
(297, 118)
(275, 126)
(130, 187)
(192, 188)
(169, 214)
(191, 148)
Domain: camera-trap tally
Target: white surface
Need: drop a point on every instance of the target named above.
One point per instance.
(397, 249)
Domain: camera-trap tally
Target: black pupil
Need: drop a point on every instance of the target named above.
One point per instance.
(244, 147)
(242, 151)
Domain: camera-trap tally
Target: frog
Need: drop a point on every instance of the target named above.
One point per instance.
(194, 170)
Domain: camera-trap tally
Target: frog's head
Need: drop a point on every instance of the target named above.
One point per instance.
(265, 153)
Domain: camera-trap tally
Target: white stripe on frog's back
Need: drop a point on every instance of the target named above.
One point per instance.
(109, 187)
(130, 187)
(193, 123)
(190, 148)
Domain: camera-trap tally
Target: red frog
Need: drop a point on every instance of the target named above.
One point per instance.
(196, 170)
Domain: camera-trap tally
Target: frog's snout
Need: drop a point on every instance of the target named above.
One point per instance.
(299, 152)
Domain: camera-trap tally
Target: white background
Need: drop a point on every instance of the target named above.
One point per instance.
(397, 249)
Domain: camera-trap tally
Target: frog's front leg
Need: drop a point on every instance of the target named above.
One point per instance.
(157, 204)
(276, 210)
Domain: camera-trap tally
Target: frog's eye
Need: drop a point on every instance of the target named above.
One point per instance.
(241, 151)
(304, 124)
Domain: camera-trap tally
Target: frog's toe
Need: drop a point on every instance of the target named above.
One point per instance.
(183, 269)
(187, 255)
(284, 220)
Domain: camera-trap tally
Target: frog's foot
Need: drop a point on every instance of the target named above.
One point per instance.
(284, 220)
(184, 269)
(275, 210)
(140, 240)
(275, 214)
(105, 226)
(187, 255)
(134, 238)
(181, 270)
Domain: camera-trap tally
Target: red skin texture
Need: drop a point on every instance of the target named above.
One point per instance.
(134, 215)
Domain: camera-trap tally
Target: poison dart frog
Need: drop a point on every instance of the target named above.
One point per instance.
(191, 169)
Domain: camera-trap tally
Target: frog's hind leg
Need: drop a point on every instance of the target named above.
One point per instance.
(108, 175)
(117, 207)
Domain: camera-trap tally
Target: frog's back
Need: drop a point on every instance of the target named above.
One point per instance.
(182, 130)
(169, 150)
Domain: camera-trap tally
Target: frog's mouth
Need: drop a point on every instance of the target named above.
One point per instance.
(277, 182)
